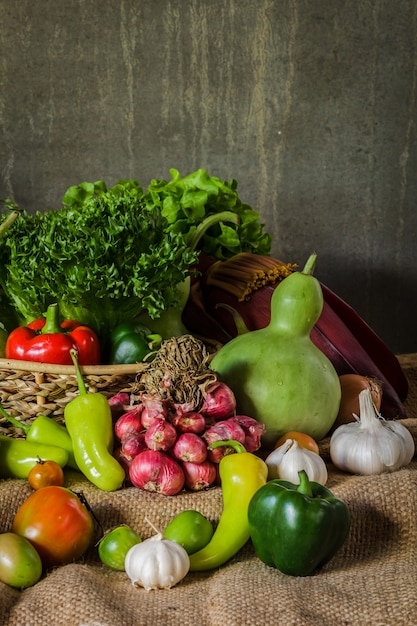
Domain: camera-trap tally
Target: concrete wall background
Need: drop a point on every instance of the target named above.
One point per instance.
(309, 104)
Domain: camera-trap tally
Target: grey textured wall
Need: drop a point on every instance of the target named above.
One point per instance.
(309, 104)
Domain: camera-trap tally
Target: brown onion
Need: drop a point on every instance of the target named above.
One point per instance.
(351, 386)
(155, 471)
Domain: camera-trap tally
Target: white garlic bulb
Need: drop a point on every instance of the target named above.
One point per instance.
(157, 563)
(371, 444)
(286, 461)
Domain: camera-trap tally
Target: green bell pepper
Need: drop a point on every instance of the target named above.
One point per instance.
(131, 343)
(297, 528)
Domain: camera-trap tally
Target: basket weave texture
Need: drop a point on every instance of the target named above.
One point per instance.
(30, 389)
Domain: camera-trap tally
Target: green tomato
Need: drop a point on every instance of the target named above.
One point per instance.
(20, 563)
(190, 529)
(115, 544)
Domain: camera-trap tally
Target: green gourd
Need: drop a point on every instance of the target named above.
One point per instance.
(277, 374)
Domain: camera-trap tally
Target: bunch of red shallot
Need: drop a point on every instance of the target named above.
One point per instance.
(164, 446)
(180, 408)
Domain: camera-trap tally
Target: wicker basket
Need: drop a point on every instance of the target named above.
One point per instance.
(29, 389)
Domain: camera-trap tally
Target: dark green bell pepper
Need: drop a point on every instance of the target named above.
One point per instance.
(297, 528)
(131, 343)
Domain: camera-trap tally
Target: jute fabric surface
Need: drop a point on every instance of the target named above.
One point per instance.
(371, 580)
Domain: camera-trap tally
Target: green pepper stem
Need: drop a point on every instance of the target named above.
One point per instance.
(310, 264)
(52, 321)
(305, 485)
(231, 443)
(80, 380)
(14, 421)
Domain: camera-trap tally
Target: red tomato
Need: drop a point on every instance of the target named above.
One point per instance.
(303, 440)
(57, 524)
(46, 473)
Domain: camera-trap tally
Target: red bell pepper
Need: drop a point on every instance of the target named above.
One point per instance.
(45, 340)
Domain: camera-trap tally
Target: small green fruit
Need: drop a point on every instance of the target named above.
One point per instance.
(191, 530)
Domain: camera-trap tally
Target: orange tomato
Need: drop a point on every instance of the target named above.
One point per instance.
(57, 523)
(303, 440)
(45, 474)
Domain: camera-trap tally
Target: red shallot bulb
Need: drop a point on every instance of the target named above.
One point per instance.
(253, 431)
(133, 445)
(118, 404)
(220, 402)
(129, 423)
(222, 431)
(190, 447)
(154, 407)
(153, 470)
(199, 476)
(184, 407)
(189, 422)
(161, 435)
(123, 460)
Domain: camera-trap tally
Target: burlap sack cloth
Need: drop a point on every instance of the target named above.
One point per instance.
(372, 579)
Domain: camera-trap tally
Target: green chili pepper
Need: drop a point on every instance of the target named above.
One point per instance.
(297, 528)
(47, 431)
(18, 456)
(131, 343)
(241, 474)
(89, 423)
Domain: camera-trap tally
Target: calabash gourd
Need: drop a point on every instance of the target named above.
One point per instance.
(277, 374)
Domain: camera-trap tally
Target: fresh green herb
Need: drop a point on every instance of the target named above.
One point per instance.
(104, 259)
(112, 255)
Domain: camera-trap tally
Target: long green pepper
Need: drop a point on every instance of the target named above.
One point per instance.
(89, 423)
(47, 431)
(241, 474)
(18, 456)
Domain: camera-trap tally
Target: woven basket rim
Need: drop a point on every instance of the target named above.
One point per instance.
(48, 368)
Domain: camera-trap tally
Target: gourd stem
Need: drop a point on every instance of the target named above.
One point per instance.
(310, 264)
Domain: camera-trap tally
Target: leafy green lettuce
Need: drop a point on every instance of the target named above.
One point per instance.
(186, 202)
(105, 258)
(110, 255)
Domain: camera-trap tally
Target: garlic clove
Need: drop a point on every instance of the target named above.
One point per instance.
(287, 460)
